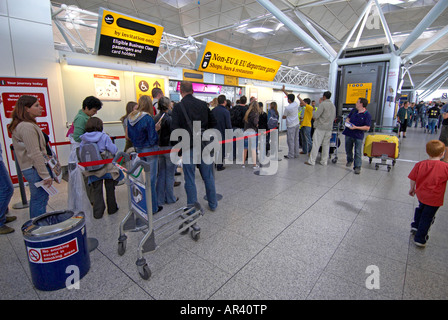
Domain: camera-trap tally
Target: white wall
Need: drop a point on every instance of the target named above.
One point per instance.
(27, 51)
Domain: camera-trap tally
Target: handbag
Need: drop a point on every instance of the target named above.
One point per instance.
(52, 161)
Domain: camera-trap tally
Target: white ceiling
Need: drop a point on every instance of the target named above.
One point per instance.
(228, 21)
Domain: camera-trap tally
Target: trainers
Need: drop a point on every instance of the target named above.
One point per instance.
(306, 162)
(419, 244)
(256, 167)
(349, 163)
(413, 230)
(5, 229)
(357, 170)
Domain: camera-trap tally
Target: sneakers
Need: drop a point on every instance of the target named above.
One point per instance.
(349, 163)
(357, 170)
(306, 162)
(419, 244)
(413, 230)
(5, 229)
(256, 167)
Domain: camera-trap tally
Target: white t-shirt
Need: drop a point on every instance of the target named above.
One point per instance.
(292, 114)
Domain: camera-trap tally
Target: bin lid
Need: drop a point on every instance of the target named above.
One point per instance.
(52, 224)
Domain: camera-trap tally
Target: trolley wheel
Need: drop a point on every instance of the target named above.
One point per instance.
(121, 247)
(393, 162)
(195, 235)
(185, 231)
(370, 160)
(334, 160)
(388, 168)
(144, 272)
(377, 167)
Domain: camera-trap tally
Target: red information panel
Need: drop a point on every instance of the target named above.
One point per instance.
(53, 254)
(11, 89)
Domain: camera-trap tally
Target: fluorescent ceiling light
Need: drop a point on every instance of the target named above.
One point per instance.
(390, 1)
(279, 26)
(260, 29)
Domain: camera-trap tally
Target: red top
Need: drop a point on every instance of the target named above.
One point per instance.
(430, 177)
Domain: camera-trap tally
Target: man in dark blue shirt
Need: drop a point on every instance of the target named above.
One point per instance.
(356, 123)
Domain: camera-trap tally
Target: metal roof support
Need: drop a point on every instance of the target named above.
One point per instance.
(435, 74)
(432, 15)
(360, 18)
(385, 27)
(316, 33)
(427, 44)
(435, 86)
(302, 35)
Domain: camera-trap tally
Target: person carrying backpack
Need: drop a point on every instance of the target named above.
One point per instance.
(97, 145)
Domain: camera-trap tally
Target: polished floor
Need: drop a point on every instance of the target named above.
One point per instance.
(304, 233)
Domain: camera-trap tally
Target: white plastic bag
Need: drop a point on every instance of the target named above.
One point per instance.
(77, 195)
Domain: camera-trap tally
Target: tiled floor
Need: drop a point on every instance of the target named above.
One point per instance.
(304, 233)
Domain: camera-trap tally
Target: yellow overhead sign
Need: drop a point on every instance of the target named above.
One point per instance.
(218, 58)
(358, 90)
(126, 37)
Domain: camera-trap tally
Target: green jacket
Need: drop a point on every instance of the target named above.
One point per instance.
(401, 114)
(79, 125)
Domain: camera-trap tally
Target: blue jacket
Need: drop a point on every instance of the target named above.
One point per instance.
(142, 130)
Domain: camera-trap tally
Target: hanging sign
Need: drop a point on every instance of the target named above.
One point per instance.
(11, 89)
(221, 59)
(126, 37)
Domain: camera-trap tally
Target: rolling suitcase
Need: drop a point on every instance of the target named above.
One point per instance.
(384, 147)
(380, 138)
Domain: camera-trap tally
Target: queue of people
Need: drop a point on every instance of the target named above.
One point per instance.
(148, 125)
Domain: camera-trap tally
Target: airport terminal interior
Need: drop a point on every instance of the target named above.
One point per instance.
(296, 232)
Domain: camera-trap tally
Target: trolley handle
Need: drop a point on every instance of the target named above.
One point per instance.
(138, 164)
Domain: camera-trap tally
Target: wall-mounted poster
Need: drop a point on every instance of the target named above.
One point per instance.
(107, 87)
(11, 89)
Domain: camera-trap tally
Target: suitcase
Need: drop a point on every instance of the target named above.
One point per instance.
(381, 138)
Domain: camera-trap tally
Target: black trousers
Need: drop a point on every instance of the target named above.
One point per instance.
(98, 200)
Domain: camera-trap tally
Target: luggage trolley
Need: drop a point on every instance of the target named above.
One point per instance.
(335, 142)
(382, 146)
(138, 218)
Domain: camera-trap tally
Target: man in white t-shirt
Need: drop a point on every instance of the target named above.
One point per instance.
(291, 114)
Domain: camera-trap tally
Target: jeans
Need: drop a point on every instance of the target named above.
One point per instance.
(153, 165)
(307, 142)
(423, 219)
(208, 177)
(38, 196)
(6, 192)
(292, 138)
(432, 122)
(165, 179)
(349, 144)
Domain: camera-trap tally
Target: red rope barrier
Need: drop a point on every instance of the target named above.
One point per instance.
(153, 153)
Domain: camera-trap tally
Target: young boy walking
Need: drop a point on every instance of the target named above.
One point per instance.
(428, 182)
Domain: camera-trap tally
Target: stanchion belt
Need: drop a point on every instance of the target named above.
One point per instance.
(152, 153)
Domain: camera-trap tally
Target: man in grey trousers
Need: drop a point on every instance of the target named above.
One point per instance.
(323, 124)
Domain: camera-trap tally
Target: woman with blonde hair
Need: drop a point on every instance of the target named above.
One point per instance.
(130, 106)
(141, 129)
(29, 146)
(250, 128)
